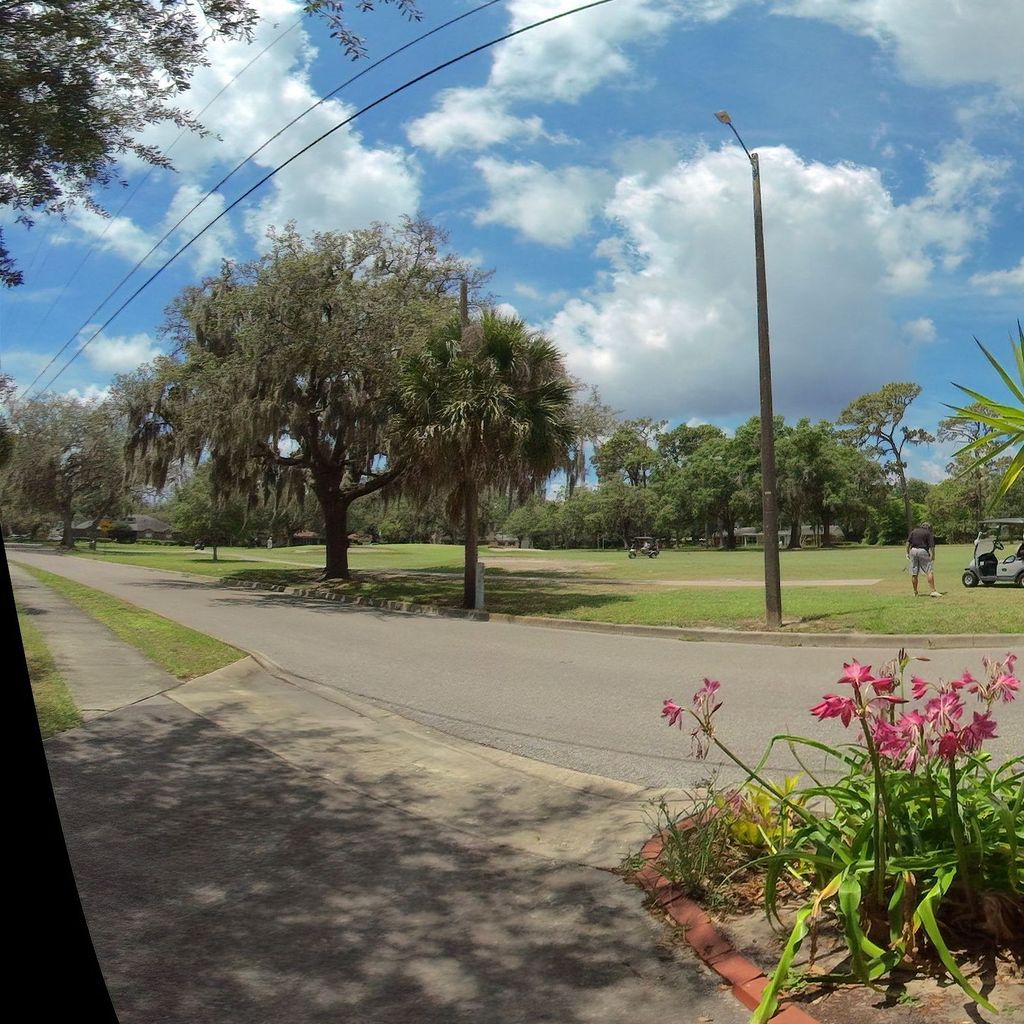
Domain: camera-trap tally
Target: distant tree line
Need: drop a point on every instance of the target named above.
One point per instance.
(361, 383)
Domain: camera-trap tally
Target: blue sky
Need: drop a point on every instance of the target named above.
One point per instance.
(582, 162)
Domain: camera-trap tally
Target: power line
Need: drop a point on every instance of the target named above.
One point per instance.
(323, 99)
(305, 149)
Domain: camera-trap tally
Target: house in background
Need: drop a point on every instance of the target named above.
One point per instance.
(149, 527)
(752, 536)
(81, 530)
(127, 530)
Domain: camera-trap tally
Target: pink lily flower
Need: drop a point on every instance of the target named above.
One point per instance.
(884, 685)
(944, 711)
(982, 728)
(890, 741)
(834, 706)
(707, 691)
(965, 680)
(912, 723)
(673, 712)
(949, 745)
(919, 687)
(1006, 687)
(855, 673)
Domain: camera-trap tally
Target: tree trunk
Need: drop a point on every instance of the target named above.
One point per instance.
(336, 535)
(730, 535)
(215, 551)
(67, 539)
(471, 524)
(905, 491)
(794, 535)
(826, 528)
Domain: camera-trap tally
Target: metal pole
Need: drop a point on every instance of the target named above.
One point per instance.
(769, 500)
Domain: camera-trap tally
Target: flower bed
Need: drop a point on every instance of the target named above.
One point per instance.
(911, 847)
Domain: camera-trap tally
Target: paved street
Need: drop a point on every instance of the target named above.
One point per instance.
(252, 851)
(585, 701)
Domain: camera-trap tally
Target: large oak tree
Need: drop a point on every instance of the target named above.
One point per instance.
(285, 371)
(80, 80)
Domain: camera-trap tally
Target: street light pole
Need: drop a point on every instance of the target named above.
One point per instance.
(769, 497)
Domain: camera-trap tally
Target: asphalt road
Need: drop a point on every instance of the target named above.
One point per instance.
(580, 700)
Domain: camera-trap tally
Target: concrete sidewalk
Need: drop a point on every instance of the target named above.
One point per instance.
(250, 847)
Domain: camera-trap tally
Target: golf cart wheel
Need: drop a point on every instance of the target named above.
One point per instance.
(1020, 579)
(970, 578)
(654, 554)
(632, 553)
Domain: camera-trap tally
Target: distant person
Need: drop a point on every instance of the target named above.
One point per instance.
(270, 543)
(921, 552)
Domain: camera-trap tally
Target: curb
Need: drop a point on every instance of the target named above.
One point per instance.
(745, 978)
(432, 610)
(689, 634)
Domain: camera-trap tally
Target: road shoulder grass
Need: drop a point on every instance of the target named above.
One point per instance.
(55, 707)
(180, 651)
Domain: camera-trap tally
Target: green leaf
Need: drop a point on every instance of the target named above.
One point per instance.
(925, 914)
(1010, 476)
(770, 997)
(860, 946)
(1002, 373)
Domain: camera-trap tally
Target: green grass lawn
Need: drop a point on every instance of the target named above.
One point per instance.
(55, 708)
(181, 651)
(609, 587)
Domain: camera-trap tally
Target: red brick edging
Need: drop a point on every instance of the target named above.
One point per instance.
(747, 980)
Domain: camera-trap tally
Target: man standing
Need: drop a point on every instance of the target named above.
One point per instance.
(921, 552)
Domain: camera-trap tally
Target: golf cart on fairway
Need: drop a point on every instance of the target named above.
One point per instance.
(644, 546)
(987, 567)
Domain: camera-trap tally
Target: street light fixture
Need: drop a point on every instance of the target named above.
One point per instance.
(769, 501)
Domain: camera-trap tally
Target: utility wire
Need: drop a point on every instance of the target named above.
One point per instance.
(323, 99)
(305, 149)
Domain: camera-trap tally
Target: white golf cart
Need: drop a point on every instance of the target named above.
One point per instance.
(987, 567)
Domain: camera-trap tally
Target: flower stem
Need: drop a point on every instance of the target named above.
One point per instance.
(752, 774)
(959, 842)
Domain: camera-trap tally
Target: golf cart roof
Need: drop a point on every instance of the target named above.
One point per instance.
(1012, 521)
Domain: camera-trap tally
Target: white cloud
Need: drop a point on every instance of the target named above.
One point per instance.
(670, 329)
(341, 184)
(529, 291)
(559, 62)
(119, 354)
(507, 309)
(569, 58)
(470, 119)
(549, 206)
(89, 393)
(920, 331)
(343, 187)
(936, 42)
(1001, 282)
(942, 225)
(119, 235)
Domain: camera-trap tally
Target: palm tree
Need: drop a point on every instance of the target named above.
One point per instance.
(1006, 422)
(485, 404)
